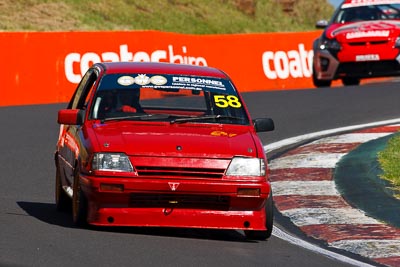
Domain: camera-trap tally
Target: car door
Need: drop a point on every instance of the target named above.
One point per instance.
(70, 145)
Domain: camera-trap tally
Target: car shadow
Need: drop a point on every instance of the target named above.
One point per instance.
(46, 212)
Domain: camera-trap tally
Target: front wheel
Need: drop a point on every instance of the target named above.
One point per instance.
(263, 235)
(79, 203)
(320, 83)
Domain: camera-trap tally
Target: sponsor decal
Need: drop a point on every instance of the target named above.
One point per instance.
(126, 80)
(142, 79)
(176, 83)
(158, 80)
(286, 64)
(362, 34)
(196, 83)
(222, 133)
(192, 80)
(355, 3)
(87, 59)
(366, 29)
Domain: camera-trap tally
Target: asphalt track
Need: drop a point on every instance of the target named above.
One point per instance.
(34, 234)
(330, 189)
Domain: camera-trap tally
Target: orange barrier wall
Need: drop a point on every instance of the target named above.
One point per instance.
(45, 67)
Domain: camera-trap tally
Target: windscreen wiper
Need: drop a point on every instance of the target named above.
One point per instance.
(202, 118)
(136, 116)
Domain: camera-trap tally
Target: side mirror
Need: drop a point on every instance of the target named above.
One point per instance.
(264, 125)
(321, 24)
(71, 116)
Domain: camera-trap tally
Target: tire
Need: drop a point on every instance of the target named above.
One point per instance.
(320, 83)
(350, 81)
(263, 235)
(79, 203)
(63, 202)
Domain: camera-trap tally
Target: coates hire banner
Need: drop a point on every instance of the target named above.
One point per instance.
(45, 67)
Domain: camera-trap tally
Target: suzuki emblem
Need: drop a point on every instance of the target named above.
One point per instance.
(173, 186)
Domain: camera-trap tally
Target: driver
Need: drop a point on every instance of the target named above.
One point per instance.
(128, 101)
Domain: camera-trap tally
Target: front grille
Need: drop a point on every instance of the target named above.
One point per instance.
(178, 172)
(209, 202)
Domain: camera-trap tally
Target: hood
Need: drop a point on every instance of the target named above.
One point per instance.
(176, 140)
(364, 31)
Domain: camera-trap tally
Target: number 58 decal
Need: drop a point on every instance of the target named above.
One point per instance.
(224, 101)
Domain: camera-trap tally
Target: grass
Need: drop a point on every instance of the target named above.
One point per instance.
(389, 160)
(183, 16)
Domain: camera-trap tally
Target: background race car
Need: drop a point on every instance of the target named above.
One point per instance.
(360, 41)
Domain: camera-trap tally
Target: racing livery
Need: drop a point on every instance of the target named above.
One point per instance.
(362, 40)
(160, 144)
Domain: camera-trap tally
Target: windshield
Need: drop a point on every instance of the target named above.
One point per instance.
(170, 98)
(371, 12)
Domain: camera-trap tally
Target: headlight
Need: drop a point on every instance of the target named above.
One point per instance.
(246, 167)
(118, 162)
(330, 44)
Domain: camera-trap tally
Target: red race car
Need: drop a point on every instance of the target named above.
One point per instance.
(158, 144)
(362, 40)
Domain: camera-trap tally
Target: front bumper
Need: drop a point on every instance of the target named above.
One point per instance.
(328, 67)
(176, 203)
(182, 218)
